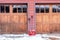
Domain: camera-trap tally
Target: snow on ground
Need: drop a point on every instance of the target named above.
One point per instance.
(27, 37)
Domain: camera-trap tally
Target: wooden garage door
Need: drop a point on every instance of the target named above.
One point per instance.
(47, 21)
(13, 19)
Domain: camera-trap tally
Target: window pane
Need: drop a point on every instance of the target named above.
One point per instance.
(54, 7)
(58, 8)
(7, 9)
(2, 9)
(19, 9)
(37, 9)
(47, 8)
(24, 8)
(14, 9)
(42, 9)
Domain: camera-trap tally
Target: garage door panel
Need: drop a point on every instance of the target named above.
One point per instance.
(39, 18)
(39, 27)
(15, 18)
(54, 18)
(58, 19)
(45, 28)
(22, 19)
(46, 19)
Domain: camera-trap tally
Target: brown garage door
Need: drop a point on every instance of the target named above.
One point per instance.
(13, 19)
(47, 18)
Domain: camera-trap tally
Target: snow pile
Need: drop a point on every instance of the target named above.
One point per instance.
(27, 37)
(50, 36)
(22, 37)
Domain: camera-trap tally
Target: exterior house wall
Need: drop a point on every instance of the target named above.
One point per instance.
(17, 23)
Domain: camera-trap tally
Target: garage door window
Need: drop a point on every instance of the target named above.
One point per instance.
(7, 8)
(14, 9)
(37, 9)
(47, 8)
(54, 8)
(42, 8)
(19, 8)
(4, 9)
(58, 8)
(24, 8)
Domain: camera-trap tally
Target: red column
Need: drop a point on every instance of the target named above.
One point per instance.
(31, 18)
